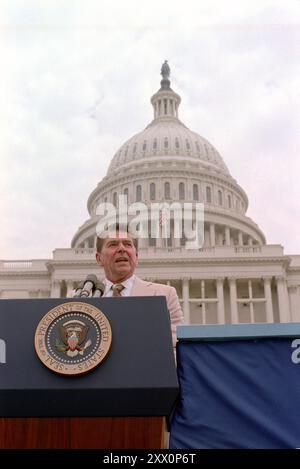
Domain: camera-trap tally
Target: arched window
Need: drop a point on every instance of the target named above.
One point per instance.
(134, 149)
(155, 144)
(167, 190)
(220, 197)
(152, 191)
(188, 146)
(91, 242)
(195, 192)
(198, 147)
(229, 201)
(166, 143)
(138, 193)
(181, 191)
(115, 199)
(208, 195)
(176, 143)
(144, 146)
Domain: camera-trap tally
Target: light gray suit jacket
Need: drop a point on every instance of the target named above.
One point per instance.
(144, 288)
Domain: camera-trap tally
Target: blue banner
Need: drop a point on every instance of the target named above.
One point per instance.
(238, 394)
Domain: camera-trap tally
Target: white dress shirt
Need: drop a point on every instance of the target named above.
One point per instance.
(128, 284)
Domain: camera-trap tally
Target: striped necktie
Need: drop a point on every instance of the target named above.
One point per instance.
(117, 288)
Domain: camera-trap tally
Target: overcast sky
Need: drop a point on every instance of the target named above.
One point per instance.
(76, 81)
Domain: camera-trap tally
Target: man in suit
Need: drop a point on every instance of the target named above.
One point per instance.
(117, 254)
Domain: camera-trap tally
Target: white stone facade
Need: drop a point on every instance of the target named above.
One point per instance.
(234, 278)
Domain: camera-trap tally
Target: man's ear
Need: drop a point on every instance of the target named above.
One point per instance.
(98, 259)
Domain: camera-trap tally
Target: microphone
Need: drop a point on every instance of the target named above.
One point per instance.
(99, 290)
(78, 290)
(88, 286)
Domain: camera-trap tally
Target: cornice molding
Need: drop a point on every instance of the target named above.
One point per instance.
(22, 273)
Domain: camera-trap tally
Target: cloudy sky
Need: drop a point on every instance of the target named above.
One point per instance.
(76, 80)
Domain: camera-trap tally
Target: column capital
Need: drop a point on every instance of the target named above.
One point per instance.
(279, 278)
(267, 278)
(232, 279)
(220, 279)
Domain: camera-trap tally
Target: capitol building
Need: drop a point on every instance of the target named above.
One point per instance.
(235, 277)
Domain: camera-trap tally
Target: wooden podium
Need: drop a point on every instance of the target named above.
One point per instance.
(82, 433)
(121, 404)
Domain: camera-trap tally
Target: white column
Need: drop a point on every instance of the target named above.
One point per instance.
(251, 302)
(185, 297)
(233, 301)
(250, 241)
(220, 296)
(294, 298)
(176, 242)
(55, 289)
(268, 296)
(86, 243)
(227, 235)
(70, 287)
(212, 234)
(284, 312)
(240, 237)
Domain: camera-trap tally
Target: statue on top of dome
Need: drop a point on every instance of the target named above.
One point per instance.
(165, 70)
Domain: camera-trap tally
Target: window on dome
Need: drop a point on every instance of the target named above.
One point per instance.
(167, 190)
(208, 195)
(125, 192)
(91, 242)
(229, 201)
(134, 148)
(195, 192)
(176, 143)
(152, 191)
(165, 106)
(115, 199)
(181, 191)
(198, 147)
(155, 144)
(138, 193)
(187, 144)
(206, 150)
(220, 197)
(144, 146)
(166, 143)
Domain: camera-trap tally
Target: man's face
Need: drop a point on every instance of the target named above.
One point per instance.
(118, 256)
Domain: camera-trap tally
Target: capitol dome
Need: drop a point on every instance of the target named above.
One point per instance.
(167, 136)
(167, 162)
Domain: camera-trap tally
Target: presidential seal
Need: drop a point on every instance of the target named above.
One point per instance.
(73, 338)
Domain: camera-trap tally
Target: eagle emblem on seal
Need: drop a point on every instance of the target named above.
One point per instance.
(73, 336)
